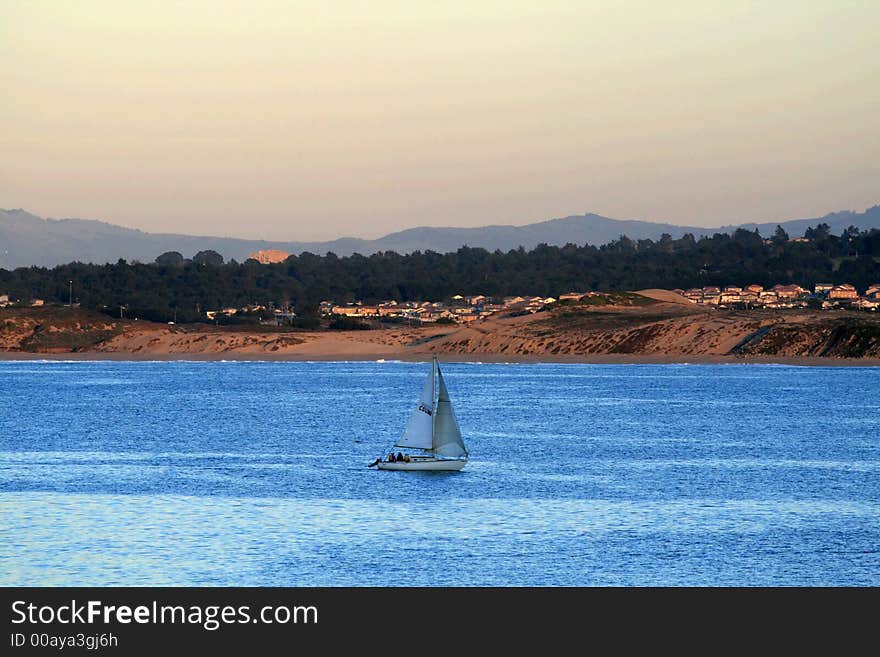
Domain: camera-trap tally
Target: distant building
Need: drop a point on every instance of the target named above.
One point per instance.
(731, 296)
(466, 317)
(694, 295)
(269, 256)
(845, 291)
(788, 291)
(37, 303)
(872, 291)
(434, 315)
(823, 288)
(348, 311)
(4, 300)
(754, 289)
(282, 317)
(865, 304)
(357, 311)
(568, 296)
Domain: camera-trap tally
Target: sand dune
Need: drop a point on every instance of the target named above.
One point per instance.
(663, 330)
(667, 296)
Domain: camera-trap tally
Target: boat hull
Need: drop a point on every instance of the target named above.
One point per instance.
(425, 465)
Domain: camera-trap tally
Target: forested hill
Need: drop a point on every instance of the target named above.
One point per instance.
(155, 291)
(26, 239)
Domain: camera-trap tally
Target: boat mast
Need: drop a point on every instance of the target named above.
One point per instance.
(434, 367)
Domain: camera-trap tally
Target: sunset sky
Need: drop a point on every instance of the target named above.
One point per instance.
(312, 120)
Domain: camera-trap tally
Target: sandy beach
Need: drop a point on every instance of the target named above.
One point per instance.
(665, 331)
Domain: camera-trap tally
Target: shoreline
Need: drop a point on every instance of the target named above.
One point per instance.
(586, 359)
(660, 333)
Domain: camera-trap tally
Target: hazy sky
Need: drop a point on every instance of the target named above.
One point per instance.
(310, 120)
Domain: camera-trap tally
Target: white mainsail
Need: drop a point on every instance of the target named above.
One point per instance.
(419, 429)
(447, 435)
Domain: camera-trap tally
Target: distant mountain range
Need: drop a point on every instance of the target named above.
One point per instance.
(26, 239)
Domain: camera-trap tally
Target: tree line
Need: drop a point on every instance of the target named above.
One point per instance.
(177, 287)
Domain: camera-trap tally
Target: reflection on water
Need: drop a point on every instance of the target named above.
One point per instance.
(254, 474)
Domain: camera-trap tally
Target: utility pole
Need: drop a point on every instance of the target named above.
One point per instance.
(70, 282)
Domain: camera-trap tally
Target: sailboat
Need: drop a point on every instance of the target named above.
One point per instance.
(432, 439)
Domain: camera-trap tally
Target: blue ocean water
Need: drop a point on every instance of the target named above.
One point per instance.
(253, 473)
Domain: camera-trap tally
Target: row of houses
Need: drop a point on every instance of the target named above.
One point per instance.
(464, 309)
(461, 309)
(785, 296)
(231, 311)
(271, 317)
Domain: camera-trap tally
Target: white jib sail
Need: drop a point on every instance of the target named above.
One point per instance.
(418, 432)
(447, 435)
